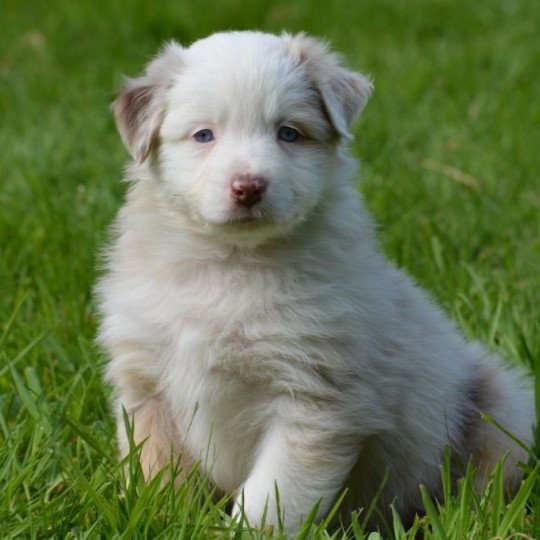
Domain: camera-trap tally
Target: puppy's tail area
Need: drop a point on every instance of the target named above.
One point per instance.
(502, 419)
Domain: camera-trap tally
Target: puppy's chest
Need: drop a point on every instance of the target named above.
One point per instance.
(255, 328)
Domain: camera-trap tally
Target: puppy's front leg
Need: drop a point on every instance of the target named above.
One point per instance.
(307, 463)
(155, 429)
(135, 378)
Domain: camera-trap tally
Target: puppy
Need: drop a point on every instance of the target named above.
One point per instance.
(251, 319)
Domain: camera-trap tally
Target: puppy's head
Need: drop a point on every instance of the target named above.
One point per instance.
(242, 130)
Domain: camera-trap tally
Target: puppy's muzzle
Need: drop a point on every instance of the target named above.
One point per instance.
(247, 190)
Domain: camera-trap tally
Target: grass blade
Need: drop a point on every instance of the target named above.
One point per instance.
(517, 507)
(433, 514)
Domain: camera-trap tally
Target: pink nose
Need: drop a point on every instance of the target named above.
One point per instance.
(247, 190)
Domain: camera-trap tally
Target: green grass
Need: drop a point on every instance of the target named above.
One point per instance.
(450, 151)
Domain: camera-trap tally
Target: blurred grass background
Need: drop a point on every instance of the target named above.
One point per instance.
(450, 151)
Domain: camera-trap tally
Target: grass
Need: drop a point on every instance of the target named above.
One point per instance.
(449, 147)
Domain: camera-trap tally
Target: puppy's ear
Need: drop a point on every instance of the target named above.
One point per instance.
(344, 93)
(139, 108)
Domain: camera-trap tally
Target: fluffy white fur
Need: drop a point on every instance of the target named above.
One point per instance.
(275, 343)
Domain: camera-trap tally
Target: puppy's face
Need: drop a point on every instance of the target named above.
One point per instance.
(242, 129)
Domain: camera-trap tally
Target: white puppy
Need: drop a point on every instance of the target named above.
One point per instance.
(250, 316)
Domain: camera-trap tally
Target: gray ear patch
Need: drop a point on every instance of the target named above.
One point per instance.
(345, 97)
(139, 108)
(344, 93)
(132, 110)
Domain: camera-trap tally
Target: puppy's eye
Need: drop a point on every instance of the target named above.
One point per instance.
(204, 136)
(288, 134)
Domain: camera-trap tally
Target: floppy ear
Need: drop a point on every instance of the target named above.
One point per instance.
(139, 108)
(344, 93)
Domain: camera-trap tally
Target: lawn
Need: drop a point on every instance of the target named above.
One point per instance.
(450, 151)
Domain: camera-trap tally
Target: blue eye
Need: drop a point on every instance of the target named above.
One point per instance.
(288, 134)
(204, 136)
